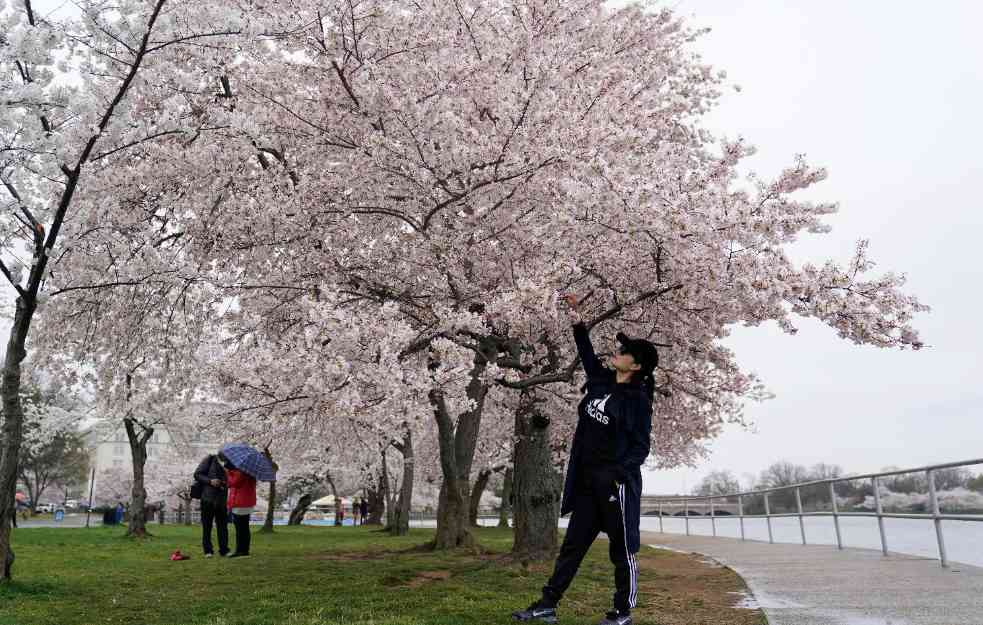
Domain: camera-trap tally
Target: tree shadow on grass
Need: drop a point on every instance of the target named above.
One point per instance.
(15, 589)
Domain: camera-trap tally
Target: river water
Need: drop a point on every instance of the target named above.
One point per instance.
(963, 539)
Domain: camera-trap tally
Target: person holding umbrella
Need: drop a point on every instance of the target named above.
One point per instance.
(243, 466)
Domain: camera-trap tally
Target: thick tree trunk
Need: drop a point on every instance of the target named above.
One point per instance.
(536, 487)
(13, 429)
(137, 526)
(506, 507)
(457, 446)
(452, 517)
(401, 526)
(270, 510)
(377, 505)
(297, 514)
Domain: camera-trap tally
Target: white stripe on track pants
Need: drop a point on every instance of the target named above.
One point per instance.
(598, 507)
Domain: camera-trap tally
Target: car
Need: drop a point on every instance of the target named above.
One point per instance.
(71, 503)
(46, 507)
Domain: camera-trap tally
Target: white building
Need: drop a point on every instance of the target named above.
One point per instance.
(111, 450)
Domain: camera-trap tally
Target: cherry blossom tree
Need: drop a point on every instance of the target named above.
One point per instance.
(56, 133)
(456, 168)
(386, 202)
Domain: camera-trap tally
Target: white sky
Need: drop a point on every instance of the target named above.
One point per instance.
(888, 96)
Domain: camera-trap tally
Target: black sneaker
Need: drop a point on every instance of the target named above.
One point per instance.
(237, 555)
(539, 611)
(616, 618)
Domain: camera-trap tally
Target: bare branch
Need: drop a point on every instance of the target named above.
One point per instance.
(6, 272)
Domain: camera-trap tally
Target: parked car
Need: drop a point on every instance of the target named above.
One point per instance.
(71, 504)
(46, 507)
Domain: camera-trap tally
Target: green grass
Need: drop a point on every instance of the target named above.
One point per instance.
(297, 576)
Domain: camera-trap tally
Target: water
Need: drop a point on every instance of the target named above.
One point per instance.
(963, 539)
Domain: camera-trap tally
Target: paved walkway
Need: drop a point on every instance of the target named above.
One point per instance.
(820, 585)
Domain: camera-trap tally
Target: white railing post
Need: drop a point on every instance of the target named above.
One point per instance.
(686, 513)
(880, 513)
(836, 516)
(740, 513)
(661, 529)
(798, 505)
(934, 502)
(713, 520)
(771, 538)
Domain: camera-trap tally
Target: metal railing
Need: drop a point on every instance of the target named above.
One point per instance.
(934, 514)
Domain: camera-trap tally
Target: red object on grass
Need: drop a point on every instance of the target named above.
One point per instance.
(177, 555)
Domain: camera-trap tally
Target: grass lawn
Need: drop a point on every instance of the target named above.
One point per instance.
(320, 575)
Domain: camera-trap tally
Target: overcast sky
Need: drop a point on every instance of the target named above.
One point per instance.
(888, 96)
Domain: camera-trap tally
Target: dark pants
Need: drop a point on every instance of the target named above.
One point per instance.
(598, 507)
(241, 521)
(213, 512)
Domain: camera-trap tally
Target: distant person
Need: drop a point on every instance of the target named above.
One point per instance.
(214, 499)
(604, 482)
(339, 511)
(120, 512)
(364, 509)
(241, 502)
(355, 511)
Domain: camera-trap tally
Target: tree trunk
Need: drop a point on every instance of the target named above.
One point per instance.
(297, 514)
(377, 505)
(506, 507)
(270, 510)
(452, 517)
(477, 491)
(13, 429)
(34, 497)
(457, 446)
(401, 527)
(137, 526)
(271, 505)
(337, 502)
(536, 487)
(387, 493)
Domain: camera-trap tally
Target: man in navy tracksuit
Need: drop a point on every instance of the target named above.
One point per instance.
(604, 480)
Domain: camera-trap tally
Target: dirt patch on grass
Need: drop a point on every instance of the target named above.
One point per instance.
(428, 576)
(348, 556)
(687, 589)
(414, 580)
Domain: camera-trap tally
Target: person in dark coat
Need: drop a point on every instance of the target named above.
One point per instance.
(604, 480)
(364, 509)
(214, 495)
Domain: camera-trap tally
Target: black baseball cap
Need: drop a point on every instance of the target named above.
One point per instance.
(643, 351)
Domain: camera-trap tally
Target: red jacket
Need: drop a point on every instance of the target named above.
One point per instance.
(242, 489)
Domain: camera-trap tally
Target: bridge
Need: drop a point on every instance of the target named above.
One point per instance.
(677, 505)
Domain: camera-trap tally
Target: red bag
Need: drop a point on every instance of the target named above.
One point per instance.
(177, 555)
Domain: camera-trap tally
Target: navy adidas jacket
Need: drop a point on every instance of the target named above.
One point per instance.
(631, 407)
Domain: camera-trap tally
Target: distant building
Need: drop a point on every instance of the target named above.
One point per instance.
(112, 451)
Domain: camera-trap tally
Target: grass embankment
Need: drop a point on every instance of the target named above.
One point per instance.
(308, 576)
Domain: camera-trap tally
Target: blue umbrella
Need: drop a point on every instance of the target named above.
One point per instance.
(249, 460)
